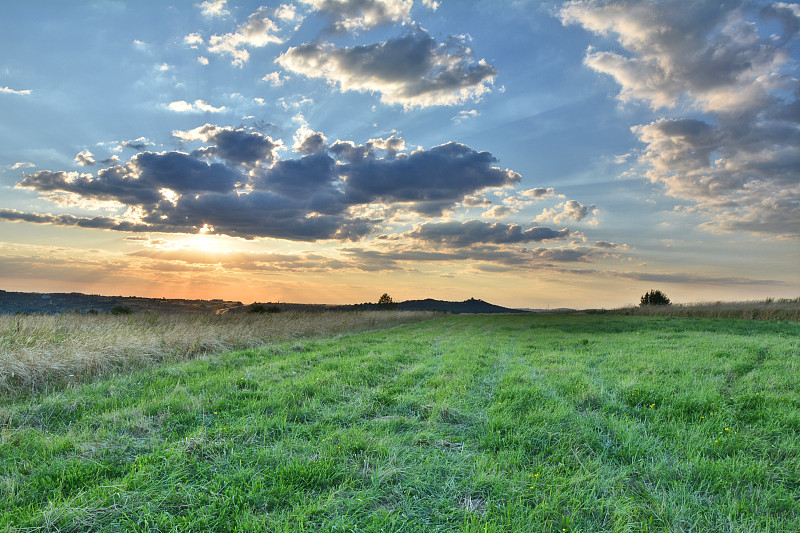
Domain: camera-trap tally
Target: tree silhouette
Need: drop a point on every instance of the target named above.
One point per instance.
(654, 297)
(386, 302)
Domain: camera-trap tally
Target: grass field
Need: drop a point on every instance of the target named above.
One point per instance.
(38, 352)
(468, 423)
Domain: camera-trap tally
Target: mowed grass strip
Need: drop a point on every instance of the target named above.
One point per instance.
(469, 423)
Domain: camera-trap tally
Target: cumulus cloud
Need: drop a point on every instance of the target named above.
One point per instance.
(193, 40)
(413, 70)
(569, 210)
(235, 146)
(236, 185)
(85, 158)
(8, 90)
(199, 106)
(738, 157)
(274, 79)
(352, 15)
(259, 31)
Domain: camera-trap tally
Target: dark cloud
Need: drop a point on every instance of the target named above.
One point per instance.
(739, 160)
(310, 143)
(250, 194)
(139, 182)
(236, 146)
(413, 70)
(454, 234)
(13, 215)
(139, 144)
(610, 245)
(430, 180)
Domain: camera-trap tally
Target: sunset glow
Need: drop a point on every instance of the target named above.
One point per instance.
(531, 154)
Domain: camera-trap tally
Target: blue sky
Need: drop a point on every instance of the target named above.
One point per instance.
(531, 154)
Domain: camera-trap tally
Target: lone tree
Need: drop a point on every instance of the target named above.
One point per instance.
(386, 302)
(654, 297)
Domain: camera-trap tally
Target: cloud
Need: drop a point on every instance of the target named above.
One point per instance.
(430, 180)
(352, 15)
(309, 142)
(569, 210)
(274, 79)
(202, 60)
(539, 193)
(199, 106)
(413, 70)
(247, 191)
(737, 158)
(235, 146)
(610, 245)
(465, 114)
(213, 8)
(137, 144)
(12, 215)
(454, 234)
(193, 40)
(22, 164)
(85, 158)
(259, 31)
(23, 92)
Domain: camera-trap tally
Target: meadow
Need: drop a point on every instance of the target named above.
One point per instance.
(459, 423)
(40, 351)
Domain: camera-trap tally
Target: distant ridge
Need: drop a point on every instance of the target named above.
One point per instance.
(51, 303)
(471, 306)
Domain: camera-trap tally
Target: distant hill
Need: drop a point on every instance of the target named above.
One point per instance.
(471, 306)
(51, 303)
(59, 302)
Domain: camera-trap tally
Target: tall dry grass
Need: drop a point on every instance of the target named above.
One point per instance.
(769, 309)
(37, 351)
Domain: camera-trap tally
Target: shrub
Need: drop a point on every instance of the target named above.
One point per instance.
(261, 308)
(654, 297)
(121, 310)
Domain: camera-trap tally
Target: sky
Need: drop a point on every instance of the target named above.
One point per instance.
(531, 154)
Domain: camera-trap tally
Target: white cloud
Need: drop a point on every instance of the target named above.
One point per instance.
(352, 15)
(737, 159)
(202, 60)
(213, 8)
(7, 90)
(22, 164)
(569, 210)
(193, 40)
(274, 79)
(413, 70)
(259, 31)
(199, 106)
(163, 67)
(465, 114)
(85, 158)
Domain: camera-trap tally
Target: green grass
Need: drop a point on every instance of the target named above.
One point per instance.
(468, 423)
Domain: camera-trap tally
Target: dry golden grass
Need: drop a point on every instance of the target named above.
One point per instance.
(770, 309)
(37, 351)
